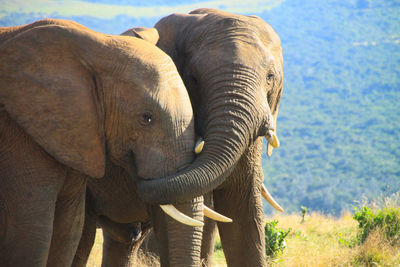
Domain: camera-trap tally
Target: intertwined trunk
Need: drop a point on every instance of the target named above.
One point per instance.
(178, 244)
(230, 123)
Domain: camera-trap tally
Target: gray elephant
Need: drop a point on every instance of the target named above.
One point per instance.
(125, 219)
(232, 67)
(75, 105)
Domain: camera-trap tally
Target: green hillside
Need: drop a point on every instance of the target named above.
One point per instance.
(339, 121)
(340, 116)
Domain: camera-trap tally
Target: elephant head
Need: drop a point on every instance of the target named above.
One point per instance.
(84, 96)
(232, 67)
(88, 98)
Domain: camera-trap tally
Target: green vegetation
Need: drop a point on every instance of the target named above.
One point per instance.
(303, 213)
(339, 119)
(386, 220)
(274, 239)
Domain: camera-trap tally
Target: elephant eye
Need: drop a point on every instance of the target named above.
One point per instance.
(146, 119)
(270, 78)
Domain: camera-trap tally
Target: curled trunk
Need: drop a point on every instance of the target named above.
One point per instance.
(179, 244)
(230, 124)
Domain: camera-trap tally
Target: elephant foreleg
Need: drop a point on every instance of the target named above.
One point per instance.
(29, 184)
(68, 220)
(240, 199)
(243, 239)
(87, 238)
(121, 242)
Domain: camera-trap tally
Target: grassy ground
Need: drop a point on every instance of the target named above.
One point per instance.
(318, 241)
(326, 241)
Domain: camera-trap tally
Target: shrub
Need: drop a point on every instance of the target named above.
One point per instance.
(387, 220)
(303, 212)
(274, 238)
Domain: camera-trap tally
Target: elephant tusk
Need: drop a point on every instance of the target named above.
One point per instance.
(199, 146)
(267, 196)
(215, 215)
(272, 139)
(179, 216)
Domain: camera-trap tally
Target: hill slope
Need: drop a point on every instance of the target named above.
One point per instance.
(339, 121)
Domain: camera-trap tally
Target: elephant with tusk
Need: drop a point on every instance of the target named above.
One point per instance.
(232, 67)
(113, 203)
(80, 108)
(117, 209)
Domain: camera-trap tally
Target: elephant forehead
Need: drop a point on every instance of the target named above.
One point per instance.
(173, 98)
(226, 25)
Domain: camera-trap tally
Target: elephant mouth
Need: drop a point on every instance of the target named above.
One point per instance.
(173, 212)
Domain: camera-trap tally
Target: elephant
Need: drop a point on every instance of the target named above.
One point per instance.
(110, 207)
(232, 67)
(75, 106)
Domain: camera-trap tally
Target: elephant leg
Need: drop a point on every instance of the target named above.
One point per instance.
(121, 242)
(159, 222)
(26, 222)
(29, 184)
(243, 239)
(116, 253)
(87, 238)
(209, 235)
(240, 199)
(68, 220)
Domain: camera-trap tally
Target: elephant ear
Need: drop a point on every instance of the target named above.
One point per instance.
(176, 32)
(48, 90)
(148, 34)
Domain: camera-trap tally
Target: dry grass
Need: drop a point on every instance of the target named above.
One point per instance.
(315, 242)
(326, 241)
(97, 250)
(376, 251)
(318, 241)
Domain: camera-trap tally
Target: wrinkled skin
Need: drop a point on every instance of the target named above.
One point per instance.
(74, 105)
(125, 221)
(232, 68)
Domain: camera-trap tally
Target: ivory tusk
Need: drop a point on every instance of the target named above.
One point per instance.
(215, 215)
(267, 196)
(269, 150)
(179, 216)
(272, 139)
(199, 146)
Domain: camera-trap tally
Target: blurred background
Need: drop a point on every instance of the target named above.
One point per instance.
(339, 119)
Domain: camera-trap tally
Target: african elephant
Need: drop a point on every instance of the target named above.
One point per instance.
(75, 105)
(125, 219)
(232, 67)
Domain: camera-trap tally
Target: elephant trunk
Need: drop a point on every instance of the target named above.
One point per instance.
(230, 123)
(184, 242)
(178, 244)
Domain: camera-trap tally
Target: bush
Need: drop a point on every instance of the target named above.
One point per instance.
(387, 220)
(274, 238)
(303, 213)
